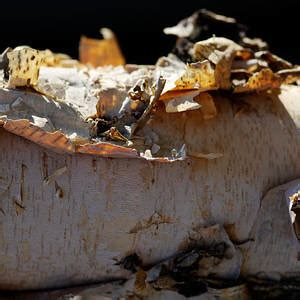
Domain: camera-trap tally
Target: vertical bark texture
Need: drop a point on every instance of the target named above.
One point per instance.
(65, 219)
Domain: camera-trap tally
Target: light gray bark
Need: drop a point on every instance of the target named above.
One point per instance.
(70, 229)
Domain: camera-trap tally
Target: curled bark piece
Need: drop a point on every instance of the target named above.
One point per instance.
(204, 23)
(262, 80)
(107, 150)
(171, 68)
(59, 60)
(176, 93)
(255, 44)
(275, 62)
(200, 76)
(182, 103)
(101, 52)
(289, 76)
(220, 53)
(55, 141)
(23, 66)
(59, 143)
(185, 28)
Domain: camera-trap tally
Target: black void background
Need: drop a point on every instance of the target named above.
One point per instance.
(57, 25)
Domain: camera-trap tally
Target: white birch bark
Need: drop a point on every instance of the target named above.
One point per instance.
(71, 228)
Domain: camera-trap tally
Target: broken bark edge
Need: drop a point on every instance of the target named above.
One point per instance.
(59, 143)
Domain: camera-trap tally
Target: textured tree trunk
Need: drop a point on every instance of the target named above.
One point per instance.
(66, 219)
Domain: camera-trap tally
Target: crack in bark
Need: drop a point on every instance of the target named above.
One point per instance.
(22, 180)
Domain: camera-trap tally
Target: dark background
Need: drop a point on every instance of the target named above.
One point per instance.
(57, 25)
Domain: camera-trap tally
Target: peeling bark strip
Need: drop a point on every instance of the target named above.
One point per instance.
(101, 111)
